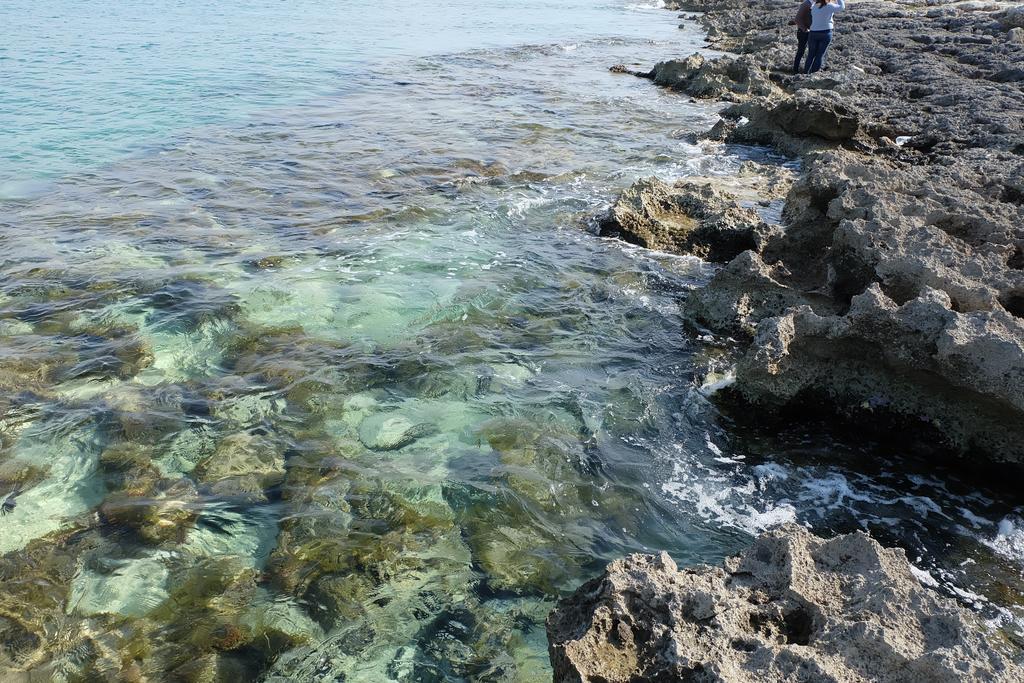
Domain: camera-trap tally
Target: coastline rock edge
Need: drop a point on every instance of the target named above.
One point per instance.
(894, 286)
(791, 606)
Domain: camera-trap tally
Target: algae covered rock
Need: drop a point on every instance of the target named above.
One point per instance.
(155, 508)
(529, 508)
(153, 519)
(480, 641)
(146, 415)
(343, 538)
(684, 218)
(792, 606)
(128, 468)
(511, 507)
(34, 363)
(36, 582)
(515, 553)
(299, 364)
(219, 618)
(244, 455)
(187, 303)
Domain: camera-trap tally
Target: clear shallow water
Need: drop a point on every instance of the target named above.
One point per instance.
(335, 387)
(85, 82)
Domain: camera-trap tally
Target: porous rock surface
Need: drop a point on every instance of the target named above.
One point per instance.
(896, 282)
(791, 607)
(684, 217)
(732, 79)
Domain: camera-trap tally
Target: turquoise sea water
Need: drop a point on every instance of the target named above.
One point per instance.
(86, 82)
(313, 371)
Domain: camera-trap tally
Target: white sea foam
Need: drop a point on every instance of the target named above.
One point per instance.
(716, 485)
(724, 498)
(715, 382)
(655, 4)
(1009, 538)
(769, 471)
(924, 576)
(521, 206)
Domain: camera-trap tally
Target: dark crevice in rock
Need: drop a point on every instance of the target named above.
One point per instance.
(1016, 259)
(798, 627)
(1013, 302)
(743, 645)
(869, 384)
(851, 276)
(1011, 194)
(899, 291)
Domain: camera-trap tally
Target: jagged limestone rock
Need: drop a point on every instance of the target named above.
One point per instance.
(792, 606)
(685, 218)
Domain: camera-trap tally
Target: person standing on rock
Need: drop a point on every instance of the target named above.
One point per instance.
(803, 25)
(820, 35)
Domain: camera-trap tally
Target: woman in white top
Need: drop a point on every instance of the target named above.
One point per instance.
(820, 35)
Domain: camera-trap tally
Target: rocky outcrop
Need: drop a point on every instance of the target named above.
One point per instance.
(896, 282)
(1013, 17)
(686, 218)
(790, 607)
(741, 295)
(795, 124)
(726, 78)
(962, 375)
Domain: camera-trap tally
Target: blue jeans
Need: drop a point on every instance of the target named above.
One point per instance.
(817, 45)
(801, 45)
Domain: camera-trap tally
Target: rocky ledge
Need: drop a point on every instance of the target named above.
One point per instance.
(791, 607)
(684, 217)
(894, 287)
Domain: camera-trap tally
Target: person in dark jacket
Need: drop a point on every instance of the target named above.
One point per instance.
(803, 26)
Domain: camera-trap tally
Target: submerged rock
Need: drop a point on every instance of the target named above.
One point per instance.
(477, 641)
(512, 502)
(36, 581)
(792, 606)
(166, 515)
(684, 218)
(187, 303)
(244, 456)
(391, 431)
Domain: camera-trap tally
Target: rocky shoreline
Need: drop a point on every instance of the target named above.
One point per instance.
(791, 607)
(891, 295)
